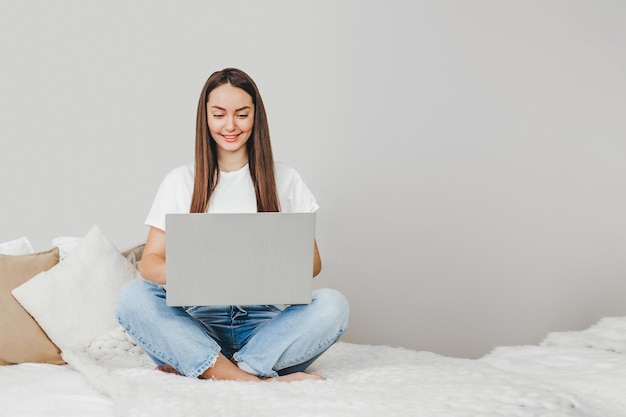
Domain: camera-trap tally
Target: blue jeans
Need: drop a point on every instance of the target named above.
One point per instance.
(271, 340)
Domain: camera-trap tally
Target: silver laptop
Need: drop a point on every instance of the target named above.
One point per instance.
(239, 258)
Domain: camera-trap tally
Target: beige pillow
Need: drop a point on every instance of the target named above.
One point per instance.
(133, 255)
(21, 338)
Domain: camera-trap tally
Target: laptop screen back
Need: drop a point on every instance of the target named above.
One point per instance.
(239, 258)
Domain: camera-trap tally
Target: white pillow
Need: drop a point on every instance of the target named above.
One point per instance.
(74, 302)
(66, 244)
(20, 246)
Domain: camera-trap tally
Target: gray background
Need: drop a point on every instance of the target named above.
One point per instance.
(468, 155)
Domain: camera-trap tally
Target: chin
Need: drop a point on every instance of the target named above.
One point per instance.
(231, 147)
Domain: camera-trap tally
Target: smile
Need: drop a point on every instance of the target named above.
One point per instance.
(230, 138)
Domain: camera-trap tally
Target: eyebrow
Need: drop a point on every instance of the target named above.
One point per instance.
(236, 110)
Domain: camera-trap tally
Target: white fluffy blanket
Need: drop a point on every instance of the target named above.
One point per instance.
(571, 374)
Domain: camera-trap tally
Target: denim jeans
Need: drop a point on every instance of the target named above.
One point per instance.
(271, 340)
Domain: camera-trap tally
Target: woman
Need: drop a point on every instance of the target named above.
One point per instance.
(234, 171)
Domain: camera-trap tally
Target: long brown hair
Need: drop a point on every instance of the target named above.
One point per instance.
(260, 158)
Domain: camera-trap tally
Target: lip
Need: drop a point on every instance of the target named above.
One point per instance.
(230, 138)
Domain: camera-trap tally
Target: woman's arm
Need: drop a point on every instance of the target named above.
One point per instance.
(317, 261)
(152, 266)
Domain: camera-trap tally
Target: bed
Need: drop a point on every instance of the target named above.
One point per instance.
(99, 371)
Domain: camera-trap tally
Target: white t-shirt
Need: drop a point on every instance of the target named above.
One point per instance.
(234, 193)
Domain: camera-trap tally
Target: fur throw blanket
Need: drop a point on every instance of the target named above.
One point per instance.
(573, 374)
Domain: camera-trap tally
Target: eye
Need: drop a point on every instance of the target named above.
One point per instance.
(242, 116)
(218, 116)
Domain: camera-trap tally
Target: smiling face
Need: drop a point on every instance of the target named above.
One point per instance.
(230, 116)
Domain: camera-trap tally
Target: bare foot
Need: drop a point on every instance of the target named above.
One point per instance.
(168, 368)
(224, 369)
(297, 376)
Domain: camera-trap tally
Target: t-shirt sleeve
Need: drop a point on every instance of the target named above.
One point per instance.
(295, 195)
(173, 196)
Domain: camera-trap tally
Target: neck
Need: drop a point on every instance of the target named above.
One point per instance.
(233, 163)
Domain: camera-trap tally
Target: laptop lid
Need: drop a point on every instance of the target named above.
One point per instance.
(239, 258)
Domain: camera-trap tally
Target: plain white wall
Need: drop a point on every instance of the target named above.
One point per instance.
(468, 156)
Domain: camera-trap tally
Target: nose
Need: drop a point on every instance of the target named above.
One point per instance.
(230, 124)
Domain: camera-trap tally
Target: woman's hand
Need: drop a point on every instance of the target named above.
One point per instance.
(317, 261)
